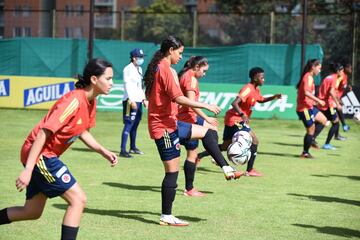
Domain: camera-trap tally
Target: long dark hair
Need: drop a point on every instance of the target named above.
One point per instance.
(309, 65)
(192, 62)
(335, 67)
(169, 42)
(95, 67)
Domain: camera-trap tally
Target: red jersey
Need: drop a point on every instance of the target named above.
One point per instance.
(188, 82)
(248, 95)
(342, 85)
(331, 81)
(307, 85)
(71, 115)
(162, 108)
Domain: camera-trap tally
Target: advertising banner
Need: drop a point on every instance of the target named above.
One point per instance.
(32, 92)
(42, 92)
(223, 95)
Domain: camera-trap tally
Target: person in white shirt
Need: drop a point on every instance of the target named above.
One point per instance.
(133, 99)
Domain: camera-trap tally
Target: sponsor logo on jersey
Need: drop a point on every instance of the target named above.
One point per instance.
(351, 103)
(46, 93)
(4, 87)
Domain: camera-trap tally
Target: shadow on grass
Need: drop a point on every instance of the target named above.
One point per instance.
(88, 150)
(337, 231)
(328, 199)
(134, 187)
(356, 178)
(288, 144)
(295, 135)
(143, 187)
(128, 214)
(280, 154)
(203, 169)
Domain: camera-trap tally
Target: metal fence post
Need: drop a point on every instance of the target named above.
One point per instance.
(53, 26)
(195, 27)
(122, 25)
(272, 27)
(354, 49)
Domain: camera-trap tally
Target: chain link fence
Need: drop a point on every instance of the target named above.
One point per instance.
(338, 34)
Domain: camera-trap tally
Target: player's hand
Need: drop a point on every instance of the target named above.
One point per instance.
(214, 108)
(111, 157)
(23, 180)
(277, 96)
(321, 102)
(133, 105)
(213, 121)
(339, 107)
(245, 119)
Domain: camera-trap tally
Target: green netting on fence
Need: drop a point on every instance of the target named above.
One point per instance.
(66, 57)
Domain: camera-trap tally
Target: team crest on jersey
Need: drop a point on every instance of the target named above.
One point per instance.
(66, 178)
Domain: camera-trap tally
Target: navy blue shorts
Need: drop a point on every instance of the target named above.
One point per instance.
(230, 131)
(189, 144)
(308, 116)
(130, 115)
(330, 114)
(168, 146)
(50, 177)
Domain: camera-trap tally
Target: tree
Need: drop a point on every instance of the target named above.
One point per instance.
(156, 22)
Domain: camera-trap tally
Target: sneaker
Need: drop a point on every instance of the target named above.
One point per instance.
(253, 173)
(125, 154)
(346, 128)
(170, 220)
(328, 146)
(340, 138)
(231, 173)
(306, 155)
(193, 193)
(315, 145)
(136, 151)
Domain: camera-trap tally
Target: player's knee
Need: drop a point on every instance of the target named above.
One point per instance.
(79, 200)
(170, 180)
(34, 213)
(211, 135)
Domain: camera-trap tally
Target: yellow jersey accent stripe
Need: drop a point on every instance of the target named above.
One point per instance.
(69, 110)
(310, 80)
(307, 115)
(43, 169)
(167, 140)
(245, 92)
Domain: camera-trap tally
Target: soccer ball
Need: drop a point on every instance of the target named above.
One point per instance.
(238, 153)
(243, 137)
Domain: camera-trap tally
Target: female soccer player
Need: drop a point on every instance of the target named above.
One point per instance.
(237, 118)
(164, 93)
(306, 98)
(45, 175)
(194, 69)
(328, 92)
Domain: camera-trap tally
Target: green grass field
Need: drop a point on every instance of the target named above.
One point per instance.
(296, 198)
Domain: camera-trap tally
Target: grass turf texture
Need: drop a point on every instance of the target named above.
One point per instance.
(296, 199)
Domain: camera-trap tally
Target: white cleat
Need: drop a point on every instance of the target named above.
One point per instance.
(170, 220)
